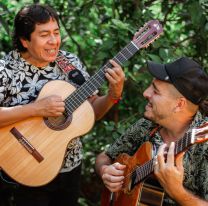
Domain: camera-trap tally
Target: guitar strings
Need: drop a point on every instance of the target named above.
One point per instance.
(180, 145)
(87, 89)
(147, 165)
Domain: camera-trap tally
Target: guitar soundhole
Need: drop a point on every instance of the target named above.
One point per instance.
(58, 123)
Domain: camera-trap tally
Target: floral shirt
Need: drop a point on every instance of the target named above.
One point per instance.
(195, 159)
(21, 82)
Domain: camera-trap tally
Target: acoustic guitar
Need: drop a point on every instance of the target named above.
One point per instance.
(140, 187)
(32, 151)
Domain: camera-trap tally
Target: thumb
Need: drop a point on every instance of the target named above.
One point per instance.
(119, 166)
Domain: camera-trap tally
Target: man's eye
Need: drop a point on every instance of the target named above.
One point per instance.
(57, 33)
(43, 35)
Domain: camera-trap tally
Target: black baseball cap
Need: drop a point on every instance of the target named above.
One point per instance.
(186, 75)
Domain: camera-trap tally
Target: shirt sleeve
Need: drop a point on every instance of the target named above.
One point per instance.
(4, 78)
(202, 176)
(196, 169)
(131, 140)
(199, 166)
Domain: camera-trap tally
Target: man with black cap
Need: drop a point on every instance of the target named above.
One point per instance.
(173, 110)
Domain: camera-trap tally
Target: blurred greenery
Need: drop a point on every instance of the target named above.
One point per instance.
(96, 30)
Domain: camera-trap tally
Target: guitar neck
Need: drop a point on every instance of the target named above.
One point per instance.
(93, 83)
(141, 172)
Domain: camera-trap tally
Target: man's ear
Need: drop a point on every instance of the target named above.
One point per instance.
(24, 42)
(180, 104)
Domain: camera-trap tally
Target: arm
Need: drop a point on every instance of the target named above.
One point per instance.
(54, 105)
(46, 107)
(111, 174)
(115, 77)
(171, 175)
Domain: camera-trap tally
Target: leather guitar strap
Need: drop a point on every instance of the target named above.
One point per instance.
(153, 131)
(64, 64)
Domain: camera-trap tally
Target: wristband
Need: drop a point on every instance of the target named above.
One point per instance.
(115, 100)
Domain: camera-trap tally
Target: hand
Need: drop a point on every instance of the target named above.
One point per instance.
(116, 77)
(51, 106)
(112, 176)
(170, 173)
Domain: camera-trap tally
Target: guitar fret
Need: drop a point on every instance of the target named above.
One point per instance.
(128, 50)
(143, 170)
(132, 47)
(187, 140)
(123, 56)
(182, 143)
(176, 151)
(117, 60)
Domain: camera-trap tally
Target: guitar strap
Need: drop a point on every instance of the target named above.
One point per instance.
(153, 131)
(64, 64)
(70, 70)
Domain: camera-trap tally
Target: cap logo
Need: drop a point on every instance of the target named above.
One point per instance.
(167, 78)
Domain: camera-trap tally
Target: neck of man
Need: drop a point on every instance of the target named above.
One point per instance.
(175, 128)
(27, 57)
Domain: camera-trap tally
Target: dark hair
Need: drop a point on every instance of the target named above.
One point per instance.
(204, 107)
(27, 18)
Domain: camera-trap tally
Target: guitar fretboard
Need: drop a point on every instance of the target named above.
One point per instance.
(87, 89)
(141, 172)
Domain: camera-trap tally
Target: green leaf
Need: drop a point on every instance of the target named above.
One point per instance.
(154, 58)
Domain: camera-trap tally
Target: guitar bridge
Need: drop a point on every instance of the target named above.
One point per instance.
(26, 144)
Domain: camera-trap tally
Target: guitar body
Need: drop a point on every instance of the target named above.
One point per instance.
(142, 192)
(49, 143)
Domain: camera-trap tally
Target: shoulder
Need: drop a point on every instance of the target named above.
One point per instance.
(5, 68)
(2, 64)
(143, 126)
(200, 123)
(70, 56)
(4, 61)
(10, 60)
(199, 119)
(131, 140)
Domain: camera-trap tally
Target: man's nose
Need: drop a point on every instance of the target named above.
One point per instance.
(52, 39)
(147, 93)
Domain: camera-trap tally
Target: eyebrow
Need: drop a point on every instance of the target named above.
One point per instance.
(155, 87)
(42, 31)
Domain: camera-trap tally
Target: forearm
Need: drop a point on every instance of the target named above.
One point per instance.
(10, 115)
(101, 105)
(101, 162)
(186, 198)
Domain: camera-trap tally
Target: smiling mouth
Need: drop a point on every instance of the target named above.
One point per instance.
(148, 106)
(51, 51)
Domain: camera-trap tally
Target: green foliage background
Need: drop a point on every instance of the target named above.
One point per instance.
(96, 30)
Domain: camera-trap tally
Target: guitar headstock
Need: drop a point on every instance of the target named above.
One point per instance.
(200, 134)
(148, 33)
